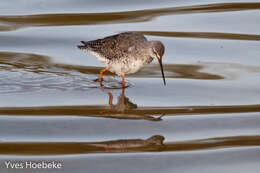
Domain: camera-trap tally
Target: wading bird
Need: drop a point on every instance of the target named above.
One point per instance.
(124, 53)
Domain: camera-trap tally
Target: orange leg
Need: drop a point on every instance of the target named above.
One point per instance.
(101, 75)
(123, 81)
(110, 102)
(123, 100)
(107, 149)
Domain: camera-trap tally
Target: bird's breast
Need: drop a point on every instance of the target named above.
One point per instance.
(149, 60)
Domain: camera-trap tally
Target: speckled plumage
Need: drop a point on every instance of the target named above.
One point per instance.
(124, 53)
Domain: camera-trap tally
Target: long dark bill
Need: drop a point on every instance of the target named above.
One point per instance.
(161, 66)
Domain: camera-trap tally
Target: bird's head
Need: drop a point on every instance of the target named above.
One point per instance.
(156, 52)
(156, 140)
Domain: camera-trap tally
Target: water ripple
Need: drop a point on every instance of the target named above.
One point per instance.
(14, 22)
(206, 35)
(125, 145)
(24, 72)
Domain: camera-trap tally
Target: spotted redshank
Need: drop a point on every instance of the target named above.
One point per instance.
(124, 53)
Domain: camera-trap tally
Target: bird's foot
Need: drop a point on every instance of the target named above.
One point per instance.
(101, 84)
(111, 84)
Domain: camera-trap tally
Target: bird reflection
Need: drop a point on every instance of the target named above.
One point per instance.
(124, 104)
(125, 144)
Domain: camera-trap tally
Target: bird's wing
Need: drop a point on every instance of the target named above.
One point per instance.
(113, 47)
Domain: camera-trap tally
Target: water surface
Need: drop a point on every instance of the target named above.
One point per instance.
(205, 120)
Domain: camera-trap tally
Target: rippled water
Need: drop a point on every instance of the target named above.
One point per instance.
(52, 108)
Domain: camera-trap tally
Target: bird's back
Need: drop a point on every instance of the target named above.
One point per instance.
(115, 46)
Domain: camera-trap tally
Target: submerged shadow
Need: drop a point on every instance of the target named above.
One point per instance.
(50, 148)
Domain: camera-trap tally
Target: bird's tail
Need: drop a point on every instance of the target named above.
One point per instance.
(84, 46)
(84, 42)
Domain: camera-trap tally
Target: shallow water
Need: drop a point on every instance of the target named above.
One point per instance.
(206, 119)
